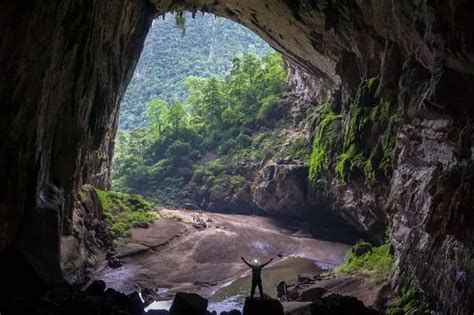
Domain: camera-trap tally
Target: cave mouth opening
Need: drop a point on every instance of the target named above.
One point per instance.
(209, 122)
(208, 100)
(65, 67)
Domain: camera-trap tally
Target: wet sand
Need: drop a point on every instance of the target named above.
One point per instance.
(175, 256)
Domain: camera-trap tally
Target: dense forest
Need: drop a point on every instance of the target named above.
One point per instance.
(196, 106)
(177, 48)
(220, 119)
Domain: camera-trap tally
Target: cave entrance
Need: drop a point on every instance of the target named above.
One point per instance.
(209, 123)
(203, 89)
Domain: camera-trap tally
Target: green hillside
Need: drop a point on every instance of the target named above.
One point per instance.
(206, 49)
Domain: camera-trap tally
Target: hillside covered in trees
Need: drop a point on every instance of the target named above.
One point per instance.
(193, 141)
(199, 106)
(177, 48)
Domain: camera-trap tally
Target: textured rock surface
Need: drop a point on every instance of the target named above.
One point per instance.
(86, 246)
(64, 69)
(431, 203)
(282, 189)
(65, 66)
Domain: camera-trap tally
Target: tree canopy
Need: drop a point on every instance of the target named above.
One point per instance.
(178, 47)
(218, 115)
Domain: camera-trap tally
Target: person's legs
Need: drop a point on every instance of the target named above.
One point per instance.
(252, 292)
(260, 289)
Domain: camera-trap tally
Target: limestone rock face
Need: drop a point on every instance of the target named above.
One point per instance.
(431, 202)
(86, 246)
(65, 67)
(282, 189)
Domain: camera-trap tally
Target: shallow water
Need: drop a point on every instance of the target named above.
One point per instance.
(232, 295)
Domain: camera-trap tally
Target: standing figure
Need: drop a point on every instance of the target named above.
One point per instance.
(256, 276)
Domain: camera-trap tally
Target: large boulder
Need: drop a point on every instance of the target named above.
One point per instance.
(262, 306)
(188, 303)
(336, 304)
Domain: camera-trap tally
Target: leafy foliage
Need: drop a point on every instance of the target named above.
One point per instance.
(377, 262)
(123, 211)
(410, 302)
(176, 49)
(218, 115)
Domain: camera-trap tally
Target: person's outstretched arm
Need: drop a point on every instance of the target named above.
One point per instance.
(267, 262)
(246, 262)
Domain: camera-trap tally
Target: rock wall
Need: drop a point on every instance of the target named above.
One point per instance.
(422, 54)
(430, 204)
(65, 66)
(90, 241)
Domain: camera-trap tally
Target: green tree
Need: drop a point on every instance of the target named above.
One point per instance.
(177, 117)
(157, 116)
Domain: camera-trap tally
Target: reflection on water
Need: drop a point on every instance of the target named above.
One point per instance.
(233, 295)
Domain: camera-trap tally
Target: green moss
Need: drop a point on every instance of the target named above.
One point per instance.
(326, 133)
(410, 302)
(377, 263)
(123, 211)
(369, 114)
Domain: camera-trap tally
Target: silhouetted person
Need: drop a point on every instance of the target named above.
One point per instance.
(256, 276)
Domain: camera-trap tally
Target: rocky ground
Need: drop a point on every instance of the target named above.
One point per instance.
(188, 251)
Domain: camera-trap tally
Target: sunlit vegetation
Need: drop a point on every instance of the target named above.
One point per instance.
(410, 302)
(226, 116)
(124, 211)
(180, 46)
(377, 262)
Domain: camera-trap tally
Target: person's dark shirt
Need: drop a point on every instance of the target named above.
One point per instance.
(256, 269)
(257, 273)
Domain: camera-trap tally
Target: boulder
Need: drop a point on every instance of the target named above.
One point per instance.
(311, 294)
(148, 295)
(97, 288)
(262, 306)
(281, 290)
(114, 262)
(188, 303)
(361, 248)
(201, 225)
(336, 304)
(116, 302)
(141, 225)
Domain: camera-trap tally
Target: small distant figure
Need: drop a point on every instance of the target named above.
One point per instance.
(256, 275)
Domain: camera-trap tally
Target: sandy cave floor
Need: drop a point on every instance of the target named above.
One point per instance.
(175, 256)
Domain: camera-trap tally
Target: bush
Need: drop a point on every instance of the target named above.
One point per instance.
(123, 211)
(298, 149)
(377, 263)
